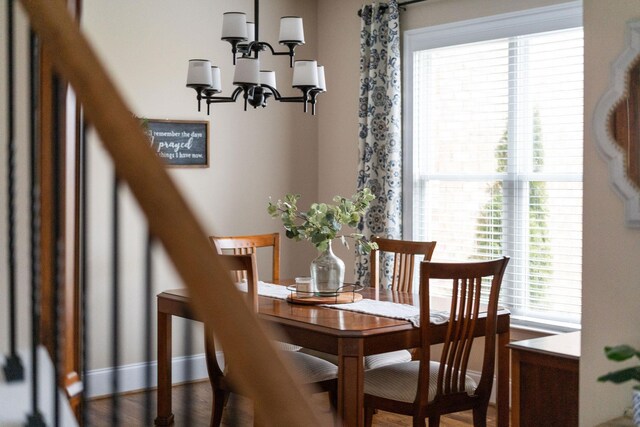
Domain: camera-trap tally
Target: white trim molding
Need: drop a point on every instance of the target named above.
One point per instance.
(133, 377)
(607, 147)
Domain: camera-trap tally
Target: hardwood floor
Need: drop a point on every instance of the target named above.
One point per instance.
(192, 406)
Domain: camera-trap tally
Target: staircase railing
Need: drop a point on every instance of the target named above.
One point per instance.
(13, 369)
(263, 375)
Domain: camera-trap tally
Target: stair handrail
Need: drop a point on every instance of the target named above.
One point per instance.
(264, 375)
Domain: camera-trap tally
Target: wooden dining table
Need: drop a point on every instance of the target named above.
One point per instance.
(349, 335)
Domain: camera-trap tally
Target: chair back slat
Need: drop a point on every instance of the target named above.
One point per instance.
(471, 320)
(403, 272)
(404, 253)
(246, 245)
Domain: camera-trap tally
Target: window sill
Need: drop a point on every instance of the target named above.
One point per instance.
(524, 332)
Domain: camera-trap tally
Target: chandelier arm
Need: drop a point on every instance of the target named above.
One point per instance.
(291, 99)
(235, 44)
(219, 99)
(308, 96)
(276, 94)
(199, 96)
(247, 90)
(313, 94)
(305, 98)
(278, 97)
(290, 52)
(244, 49)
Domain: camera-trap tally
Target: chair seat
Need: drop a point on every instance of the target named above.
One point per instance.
(311, 369)
(400, 381)
(285, 346)
(370, 362)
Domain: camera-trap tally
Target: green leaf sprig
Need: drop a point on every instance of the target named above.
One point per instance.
(323, 222)
(618, 354)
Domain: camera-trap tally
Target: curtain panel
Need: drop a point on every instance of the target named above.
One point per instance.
(380, 129)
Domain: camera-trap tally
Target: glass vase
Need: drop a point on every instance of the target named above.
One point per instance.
(327, 273)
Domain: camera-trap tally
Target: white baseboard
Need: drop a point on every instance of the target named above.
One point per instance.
(133, 377)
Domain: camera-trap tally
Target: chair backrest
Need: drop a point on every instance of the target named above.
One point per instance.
(246, 264)
(466, 310)
(239, 245)
(404, 253)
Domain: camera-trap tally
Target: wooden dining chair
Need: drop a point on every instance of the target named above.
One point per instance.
(427, 389)
(249, 244)
(404, 253)
(309, 369)
(239, 245)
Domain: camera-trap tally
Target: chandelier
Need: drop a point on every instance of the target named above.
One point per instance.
(257, 85)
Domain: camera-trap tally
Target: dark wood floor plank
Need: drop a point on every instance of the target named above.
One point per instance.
(239, 411)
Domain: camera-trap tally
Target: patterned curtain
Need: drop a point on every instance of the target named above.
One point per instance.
(380, 165)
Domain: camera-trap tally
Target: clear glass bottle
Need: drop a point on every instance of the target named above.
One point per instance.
(327, 273)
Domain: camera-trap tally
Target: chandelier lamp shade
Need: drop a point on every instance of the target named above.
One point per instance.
(257, 85)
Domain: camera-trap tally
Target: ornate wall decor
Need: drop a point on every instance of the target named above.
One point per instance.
(617, 125)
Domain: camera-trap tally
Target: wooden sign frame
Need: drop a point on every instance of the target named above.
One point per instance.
(180, 143)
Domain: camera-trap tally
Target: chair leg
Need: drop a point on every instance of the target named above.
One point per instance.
(333, 399)
(480, 416)
(219, 401)
(434, 421)
(368, 416)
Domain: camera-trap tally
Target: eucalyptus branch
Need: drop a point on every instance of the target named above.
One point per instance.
(323, 222)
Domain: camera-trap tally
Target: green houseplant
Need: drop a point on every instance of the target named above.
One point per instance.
(320, 225)
(620, 353)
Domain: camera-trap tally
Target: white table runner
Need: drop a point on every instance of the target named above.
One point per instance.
(394, 310)
(390, 309)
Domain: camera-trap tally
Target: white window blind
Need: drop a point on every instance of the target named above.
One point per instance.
(495, 160)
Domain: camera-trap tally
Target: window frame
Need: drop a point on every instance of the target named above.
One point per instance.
(543, 19)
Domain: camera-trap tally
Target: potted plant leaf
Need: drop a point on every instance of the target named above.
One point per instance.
(321, 224)
(620, 353)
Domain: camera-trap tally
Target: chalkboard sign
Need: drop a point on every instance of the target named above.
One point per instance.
(180, 143)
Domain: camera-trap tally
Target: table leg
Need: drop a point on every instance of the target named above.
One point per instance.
(515, 393)
(164, 416)
(503, 380)
(351, 382)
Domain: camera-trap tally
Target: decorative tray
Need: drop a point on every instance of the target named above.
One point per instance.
(344, 295)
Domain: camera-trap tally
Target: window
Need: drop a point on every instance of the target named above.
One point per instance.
(493, 152)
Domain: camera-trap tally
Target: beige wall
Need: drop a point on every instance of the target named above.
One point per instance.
(255, 154)
(339, 51)
(611, 272)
